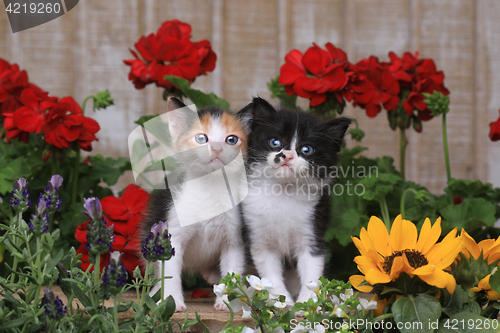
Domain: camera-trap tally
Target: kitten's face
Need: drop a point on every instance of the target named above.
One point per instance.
(292, 146)
(207, 142)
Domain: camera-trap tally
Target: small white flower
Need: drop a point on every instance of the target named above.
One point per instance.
(220, 289)
(279, 329)
(318, 329)
(299, 329)
(238, 304)
(259, 284)
(280, 305)
(246, 314)
(338, 312)
(367, 305)
(247, 329)
(347, 294)
(314, 286)
(335, 300)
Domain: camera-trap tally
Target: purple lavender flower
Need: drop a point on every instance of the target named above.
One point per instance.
(50, 196)
(114, 276)
(99, 235)
(54, 307)
(39, 223)
(20, 197)
(93, 208)
(157, 244)
(63, 274)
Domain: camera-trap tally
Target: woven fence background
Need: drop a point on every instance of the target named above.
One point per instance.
(82, 52)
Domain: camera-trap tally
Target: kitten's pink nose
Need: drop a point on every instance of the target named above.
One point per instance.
(216, 148)
(288, 155)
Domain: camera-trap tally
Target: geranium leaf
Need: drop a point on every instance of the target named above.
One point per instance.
(422, 309)
(199, 98)
(495, 281)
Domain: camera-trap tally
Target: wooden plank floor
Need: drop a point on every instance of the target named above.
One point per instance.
(215, 320)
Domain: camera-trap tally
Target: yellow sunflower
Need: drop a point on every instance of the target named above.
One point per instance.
(490, 250)
(385, 256)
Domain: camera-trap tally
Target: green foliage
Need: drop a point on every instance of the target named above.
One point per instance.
(199, 98)
(22, 309)
(437, 103)
(423, 309)
(278, 91)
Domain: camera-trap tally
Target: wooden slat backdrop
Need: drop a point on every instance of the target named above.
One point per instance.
(82, 52)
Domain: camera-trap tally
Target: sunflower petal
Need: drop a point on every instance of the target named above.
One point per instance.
(379, 236)
(470, 245)
(356, 280)
(396, 236)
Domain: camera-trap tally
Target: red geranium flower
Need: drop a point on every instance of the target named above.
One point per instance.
(170, 52)
(495, 130)
(65, 124)
(417, 76)
(125, 213)
(377, 86)
(12, 82)
(315, 73)
(29, 116)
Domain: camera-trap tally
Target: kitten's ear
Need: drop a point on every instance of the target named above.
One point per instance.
(179, 117)
(174, 103)
(337, 128)
(259, 108)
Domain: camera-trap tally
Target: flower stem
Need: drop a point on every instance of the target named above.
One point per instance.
(115, 313)
(75, 176)
(385, 213)
(162, 280)
(445, 145)
(96, 277)
(14, 264)
(85, 102)
(402, 204)
(402, 151)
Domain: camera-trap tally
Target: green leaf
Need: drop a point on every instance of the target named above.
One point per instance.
(144, 119)
(109, 169)
(422, 309)
(199, 98)
(471, 214)
(55, 261)
(149, 302)
(15, 323)
(495, 281)
(169, 309)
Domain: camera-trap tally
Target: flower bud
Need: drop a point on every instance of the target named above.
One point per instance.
(114, 276)
(20, 197)
(39, 223)
(54, 307)
(157, 244)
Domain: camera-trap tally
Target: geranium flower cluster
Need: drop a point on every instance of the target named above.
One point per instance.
(124, 214)
(320, 75)
(170, 52)
(25, 109)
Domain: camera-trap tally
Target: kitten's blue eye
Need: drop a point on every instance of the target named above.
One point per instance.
(201, 138)
(232, 140)
(307, 150)
(275, 143)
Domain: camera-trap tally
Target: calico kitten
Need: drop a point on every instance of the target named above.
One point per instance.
(287, 209)
(204, 142)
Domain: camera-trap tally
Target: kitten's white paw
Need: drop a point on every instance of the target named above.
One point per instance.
(180, 307)
(220, 305)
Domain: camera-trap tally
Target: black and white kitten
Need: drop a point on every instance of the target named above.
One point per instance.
(287, 210)
(204, 143)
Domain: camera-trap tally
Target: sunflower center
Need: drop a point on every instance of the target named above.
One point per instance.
(415, 259)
